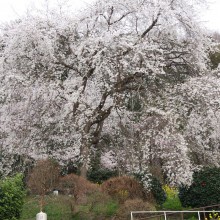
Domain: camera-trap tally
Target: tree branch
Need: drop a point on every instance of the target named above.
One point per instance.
(154, 22)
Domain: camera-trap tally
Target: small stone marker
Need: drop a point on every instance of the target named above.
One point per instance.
(41, 216)
(55, 192)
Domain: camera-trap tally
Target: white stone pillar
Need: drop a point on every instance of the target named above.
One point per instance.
(41, 216)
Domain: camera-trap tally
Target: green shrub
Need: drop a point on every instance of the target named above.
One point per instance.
(100, 175)
(204, 190)
(172, 200)
(184, 195)
(11, 197)
(215, 59)
(153, 185)
(158, 192)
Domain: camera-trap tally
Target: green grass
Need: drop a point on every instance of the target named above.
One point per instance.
(56, 207)
(106, 209)
(98, 206)
(30, 209)
(63, 208)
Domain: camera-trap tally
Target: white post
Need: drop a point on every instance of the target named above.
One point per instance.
(165, 216)
(199, 216)
(41, 216)
(132, 216)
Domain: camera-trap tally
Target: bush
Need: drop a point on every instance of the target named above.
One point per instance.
(157, 191)
(123, 188)
(204, 190)
(172, 200)
(153, 185)
(184, 195)
(145, 179)
(97, 173)
(44, 177)
(77, 186)
(100, 175)
(11, 197)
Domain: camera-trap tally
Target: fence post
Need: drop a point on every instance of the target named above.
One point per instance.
(132, 216)
(204, 213)
(199, 216)
(165, 216)
(181, 216)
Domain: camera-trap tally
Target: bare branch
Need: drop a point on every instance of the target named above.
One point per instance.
(154, 22)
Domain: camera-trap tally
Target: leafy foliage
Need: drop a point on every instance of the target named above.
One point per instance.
(151, 184)
(97, 172)
(204, 190)
(184, 196)
(215, 59)
(172, 200)
(213, 215)
(100, 175)
(145, 178)
(158, 191)
(11, 197)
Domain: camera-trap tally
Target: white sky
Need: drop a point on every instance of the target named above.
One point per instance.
(211, 16)
(11, 9)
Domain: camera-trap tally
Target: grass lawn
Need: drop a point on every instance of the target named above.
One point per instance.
(63, 208)
(56, 207)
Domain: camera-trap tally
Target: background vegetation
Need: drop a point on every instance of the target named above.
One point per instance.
(12, 195)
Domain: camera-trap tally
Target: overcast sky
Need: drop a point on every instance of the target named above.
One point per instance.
(212, 15)
(11, 9)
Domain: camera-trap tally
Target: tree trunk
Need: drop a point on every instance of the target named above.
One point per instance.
(85, 159)
(83, 171)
